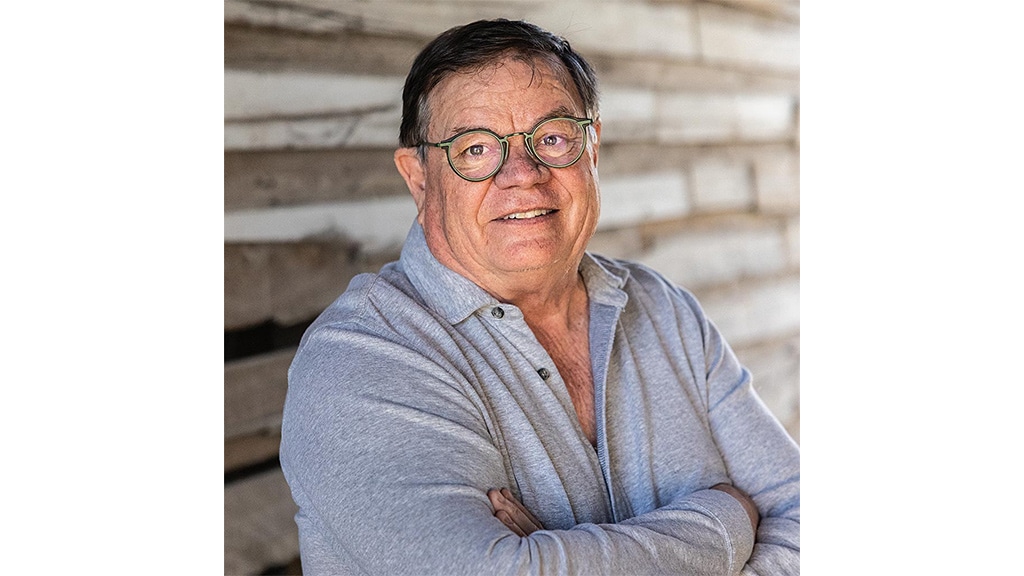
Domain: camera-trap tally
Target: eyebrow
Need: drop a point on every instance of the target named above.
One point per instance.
(558, 112)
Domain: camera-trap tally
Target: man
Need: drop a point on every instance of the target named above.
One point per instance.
(501, 401)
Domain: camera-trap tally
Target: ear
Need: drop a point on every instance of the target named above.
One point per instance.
(407, 160)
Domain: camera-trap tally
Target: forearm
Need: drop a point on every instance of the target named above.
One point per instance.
(385, 527)
(682, 533)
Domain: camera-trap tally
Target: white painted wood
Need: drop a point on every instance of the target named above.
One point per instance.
(378, 225)
(252, 95)
(377, 129)
(749, 40)
(765, 116)
(777, 177)
(756, 312)
(300, 110)
(703, 256)
(637, 198)
(721, 183)
(628, 115)
(609, 27)
(793, 240)
(725, 117)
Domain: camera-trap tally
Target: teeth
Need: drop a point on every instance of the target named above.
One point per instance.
(525, 215)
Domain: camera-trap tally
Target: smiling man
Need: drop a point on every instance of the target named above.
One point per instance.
(501, 400)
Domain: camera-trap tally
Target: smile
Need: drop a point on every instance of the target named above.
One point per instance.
(527, 215)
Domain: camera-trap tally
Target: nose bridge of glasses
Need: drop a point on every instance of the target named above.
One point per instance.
(527, 143)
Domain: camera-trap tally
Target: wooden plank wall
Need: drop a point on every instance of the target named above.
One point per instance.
(699, 174)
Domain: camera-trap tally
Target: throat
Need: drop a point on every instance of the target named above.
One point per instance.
(568, 345)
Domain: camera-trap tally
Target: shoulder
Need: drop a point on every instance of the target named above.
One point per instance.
(371, 304)
(379, 325)
(648, 287)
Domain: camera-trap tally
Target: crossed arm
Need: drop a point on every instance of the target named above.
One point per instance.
(518, 519)
(391, 450)
(359, 461)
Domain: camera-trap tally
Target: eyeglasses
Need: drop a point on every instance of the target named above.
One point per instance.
(476, 155)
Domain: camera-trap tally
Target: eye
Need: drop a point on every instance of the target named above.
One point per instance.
(551, 140)
(475, 145)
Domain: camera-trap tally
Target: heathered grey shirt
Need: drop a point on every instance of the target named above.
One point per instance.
(416, 392)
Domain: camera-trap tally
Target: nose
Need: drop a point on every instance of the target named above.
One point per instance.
(520, 167)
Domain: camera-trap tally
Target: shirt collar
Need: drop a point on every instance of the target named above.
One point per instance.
(445, 291)
(456, 297)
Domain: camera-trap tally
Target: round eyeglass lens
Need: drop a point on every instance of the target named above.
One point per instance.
(475, 154)
(559, 142)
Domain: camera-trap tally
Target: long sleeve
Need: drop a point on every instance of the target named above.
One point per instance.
(389, 458)
(760, 457)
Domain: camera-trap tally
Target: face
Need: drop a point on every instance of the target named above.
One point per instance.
(527, 218)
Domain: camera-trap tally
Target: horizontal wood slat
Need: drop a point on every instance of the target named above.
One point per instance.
(287, 283)
(256, 449)
(259, 525)
(254, 392)
(754, 311)
(775, 368)
(361, 54)
(351, 52)
(285, 177)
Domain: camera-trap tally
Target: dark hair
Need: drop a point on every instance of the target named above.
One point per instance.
(475, 45)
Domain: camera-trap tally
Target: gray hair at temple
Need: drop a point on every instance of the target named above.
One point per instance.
(475, 45)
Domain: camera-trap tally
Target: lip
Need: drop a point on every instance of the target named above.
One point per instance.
(526, 215)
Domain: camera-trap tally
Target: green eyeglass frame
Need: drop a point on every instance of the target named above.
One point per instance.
(583, 123)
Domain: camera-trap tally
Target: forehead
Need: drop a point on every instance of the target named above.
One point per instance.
(510, 89)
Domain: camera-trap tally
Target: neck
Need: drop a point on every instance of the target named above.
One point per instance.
(555, 300)
(543, 295)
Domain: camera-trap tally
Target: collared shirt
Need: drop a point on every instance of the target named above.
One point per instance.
(417, 391)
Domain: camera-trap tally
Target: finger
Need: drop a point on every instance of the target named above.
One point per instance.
(507, 520)
(519, 515)
(516, 513)
(506, 511)
(522, 510)
(497, 501)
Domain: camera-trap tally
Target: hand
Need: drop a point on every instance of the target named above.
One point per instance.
(512, 513)
(746, 501)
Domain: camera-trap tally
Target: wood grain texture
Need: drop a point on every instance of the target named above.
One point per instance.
(261, 179)
(254, 392)
(252, 450)
(286, 283)
(259, 525)
(362, 53)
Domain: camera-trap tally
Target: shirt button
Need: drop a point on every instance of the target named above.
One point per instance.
(544, 373)
(497, 312)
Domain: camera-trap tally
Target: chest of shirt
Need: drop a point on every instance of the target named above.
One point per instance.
(653, 436)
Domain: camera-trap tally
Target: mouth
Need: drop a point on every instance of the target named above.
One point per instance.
(529, 214)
